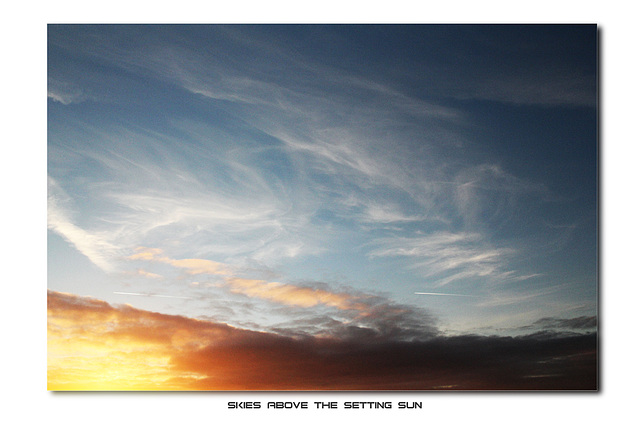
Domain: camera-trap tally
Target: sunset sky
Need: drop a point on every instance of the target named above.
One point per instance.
(322, 207)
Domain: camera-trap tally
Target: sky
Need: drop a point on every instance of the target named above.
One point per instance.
(344, 207)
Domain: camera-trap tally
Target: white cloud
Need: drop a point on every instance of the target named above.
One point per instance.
(65, 93)
(449, 256)
(536, 87)
(94, 245)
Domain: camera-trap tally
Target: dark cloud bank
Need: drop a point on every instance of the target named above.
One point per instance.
(220, 357)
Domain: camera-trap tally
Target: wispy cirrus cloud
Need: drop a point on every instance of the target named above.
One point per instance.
(448, 256)
(94, 245)
(541, 86)
(65, 93)
(486, 193)
(522, 296)
(146, 201)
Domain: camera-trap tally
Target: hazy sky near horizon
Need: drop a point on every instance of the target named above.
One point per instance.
(327, 180)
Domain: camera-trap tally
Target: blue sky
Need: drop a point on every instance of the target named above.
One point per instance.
(312, 179)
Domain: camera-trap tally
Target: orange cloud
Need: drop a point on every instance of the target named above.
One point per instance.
(95, 346)
(144, 273)
(193, 266)
(294, 295)
(200, 266)
(148, 254)
(300, 296)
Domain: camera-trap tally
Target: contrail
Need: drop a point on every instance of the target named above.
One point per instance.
(445, 295)
(149, 295)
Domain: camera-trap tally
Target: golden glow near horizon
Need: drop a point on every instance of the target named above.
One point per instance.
(92, 346)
